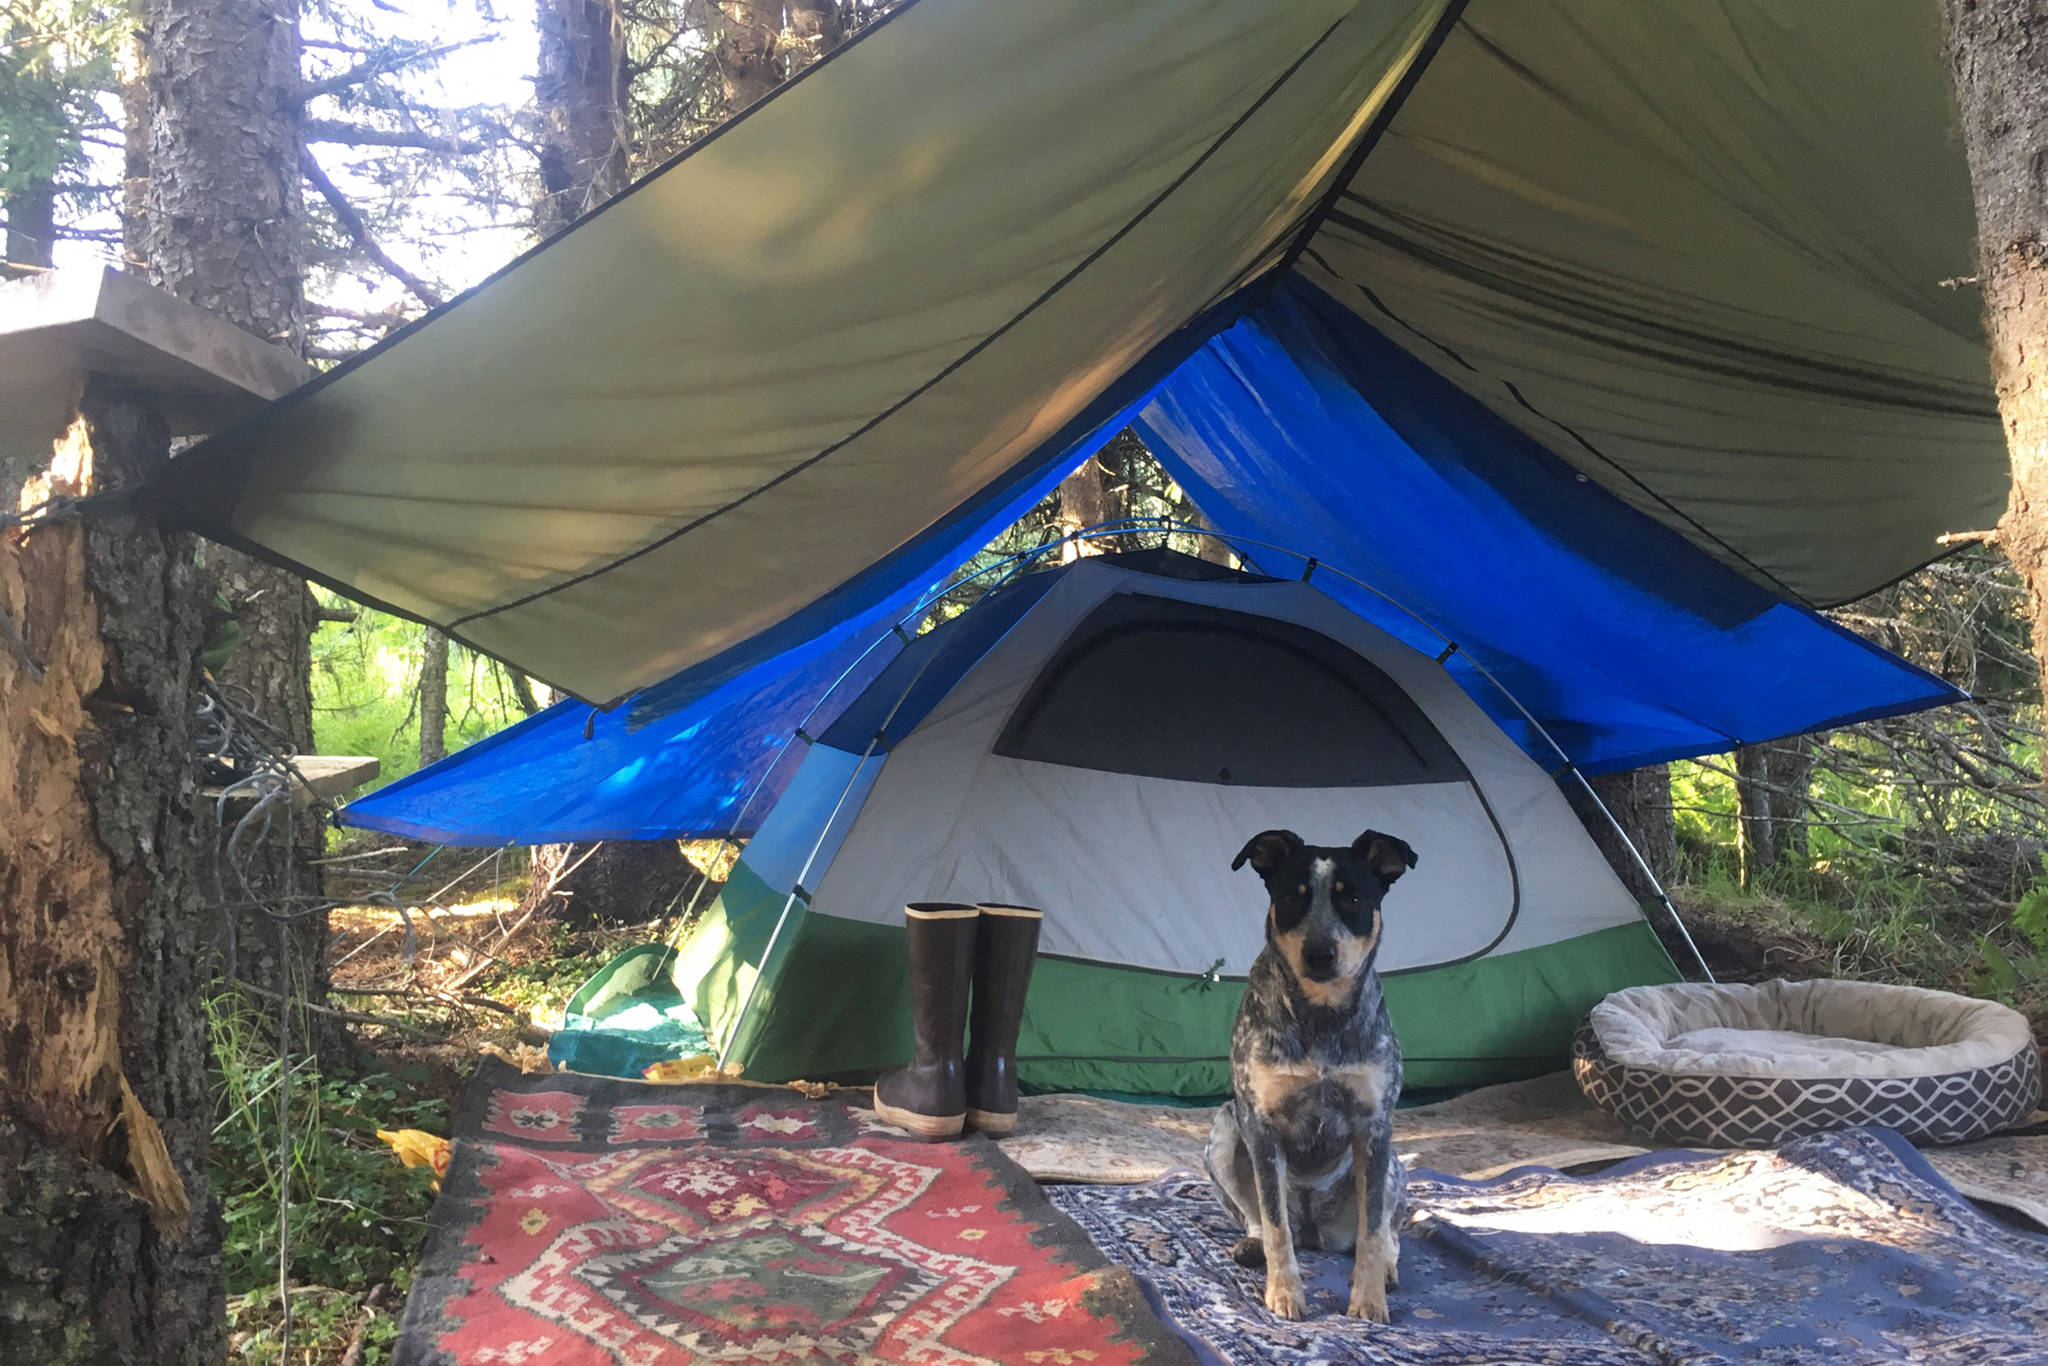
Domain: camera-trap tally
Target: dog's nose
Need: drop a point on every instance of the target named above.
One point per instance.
(1319, 960)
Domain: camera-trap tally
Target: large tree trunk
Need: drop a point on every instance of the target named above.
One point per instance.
(1640, 801)
(109, 1234)
(225, 214)
(433, 697)
(579, 89)
(1998, 50)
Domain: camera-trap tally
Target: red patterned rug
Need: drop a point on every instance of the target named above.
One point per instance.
(590, 1222)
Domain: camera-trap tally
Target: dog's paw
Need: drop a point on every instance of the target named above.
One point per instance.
(1368, 1299)
(1249, 1251)
(1285, 1298)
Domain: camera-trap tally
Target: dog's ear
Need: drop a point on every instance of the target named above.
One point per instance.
(1266, 850)
(1387, 855)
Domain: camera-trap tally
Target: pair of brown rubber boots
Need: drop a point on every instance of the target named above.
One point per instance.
(957, 953)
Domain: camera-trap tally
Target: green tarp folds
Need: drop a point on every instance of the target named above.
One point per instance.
(1696, 250)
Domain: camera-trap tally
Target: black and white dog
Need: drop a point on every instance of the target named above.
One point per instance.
(1303, 1155)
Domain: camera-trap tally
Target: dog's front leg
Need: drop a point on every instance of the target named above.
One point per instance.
(1374, 1260)
(1269, 1174)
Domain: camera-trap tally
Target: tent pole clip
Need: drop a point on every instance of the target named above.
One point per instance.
(900, 633)
(806, 736)
(1449, 649)
(1308, 570)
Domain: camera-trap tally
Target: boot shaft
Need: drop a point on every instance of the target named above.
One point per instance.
(1003, 957)
(942, 937)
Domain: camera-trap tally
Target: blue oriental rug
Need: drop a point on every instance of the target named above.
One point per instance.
(1843, 1247)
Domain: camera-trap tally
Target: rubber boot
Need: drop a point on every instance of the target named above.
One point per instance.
(1003, 955)
(929, 1095)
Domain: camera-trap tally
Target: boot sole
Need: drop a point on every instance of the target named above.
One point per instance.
(994, 1125)
(924, 1126)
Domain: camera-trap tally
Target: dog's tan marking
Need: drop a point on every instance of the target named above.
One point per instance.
(1372, 1264)
(1272, 1083)
(1365, 1080)
(1284, 1294)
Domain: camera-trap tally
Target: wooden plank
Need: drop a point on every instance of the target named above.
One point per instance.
(326, 776)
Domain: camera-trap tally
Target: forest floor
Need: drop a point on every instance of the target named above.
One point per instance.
(474, 976)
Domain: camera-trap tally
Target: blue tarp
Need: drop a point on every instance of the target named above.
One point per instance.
(1298, 426)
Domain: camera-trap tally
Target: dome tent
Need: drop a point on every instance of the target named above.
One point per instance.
(1099, 739)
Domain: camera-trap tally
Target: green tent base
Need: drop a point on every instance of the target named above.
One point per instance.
(1103, 1028)
(1088, 1027)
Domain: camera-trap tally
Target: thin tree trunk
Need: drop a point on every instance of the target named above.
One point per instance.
(224, 229)
(745, 51)
(109, 1233)
(523, 693)
(32, 222)
(433, 697)
(1770, 797)
(579, 88)
(1999, 55)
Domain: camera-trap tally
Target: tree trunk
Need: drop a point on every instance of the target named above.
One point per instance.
(1640, 801)
(31, 222)
(523, 693)
(1086, 500)
(745, 51)
(1999, 55)
(579, 88)
(433, 697)
(617, 882)
(815, 28)
(224, 229)
(109, 1233)
(1770, 797)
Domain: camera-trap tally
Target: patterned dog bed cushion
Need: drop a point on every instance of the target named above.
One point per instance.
(1741, 1066)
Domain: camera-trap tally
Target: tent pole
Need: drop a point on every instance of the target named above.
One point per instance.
(1643, 866)
(1021, 561)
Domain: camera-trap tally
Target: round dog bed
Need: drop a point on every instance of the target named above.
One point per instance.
(1749, 1066)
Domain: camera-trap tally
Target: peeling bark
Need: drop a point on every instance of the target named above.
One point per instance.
(1998, 53)
(109, 1236)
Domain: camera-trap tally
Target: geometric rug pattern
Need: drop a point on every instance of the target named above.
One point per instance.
(591, 1222)
(1843, 1247)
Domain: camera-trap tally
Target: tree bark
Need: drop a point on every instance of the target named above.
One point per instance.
(617, 882)
(1086, 500)
(224, 229)
(1998, 53)
(745, 53)
(1770, 797)
(815, 28)
(1640, 801)
(579, 88)
(433, 697)
(109, 1233)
